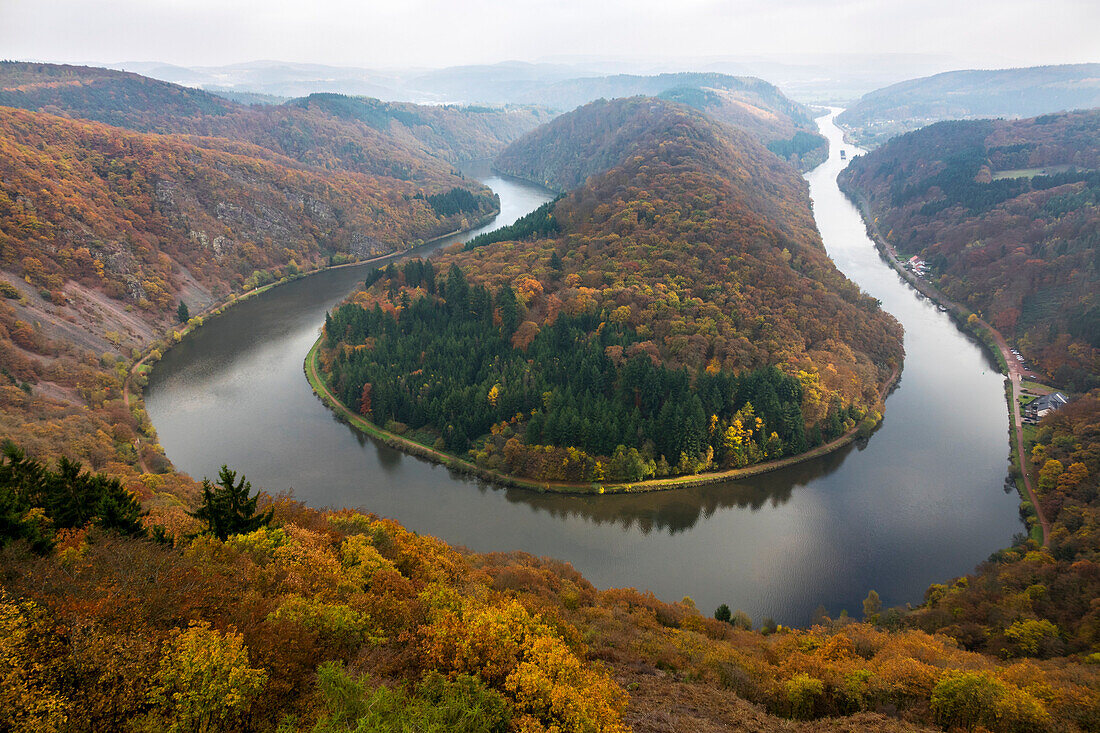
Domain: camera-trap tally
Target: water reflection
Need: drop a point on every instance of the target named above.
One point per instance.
(918, 503)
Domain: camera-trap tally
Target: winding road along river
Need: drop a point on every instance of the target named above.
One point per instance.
(921, 502)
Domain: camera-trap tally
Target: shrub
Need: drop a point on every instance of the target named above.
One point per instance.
(803, 693)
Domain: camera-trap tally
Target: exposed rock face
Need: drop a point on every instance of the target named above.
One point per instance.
(361, 245)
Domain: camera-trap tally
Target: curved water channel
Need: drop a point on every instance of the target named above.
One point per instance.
(920, 502)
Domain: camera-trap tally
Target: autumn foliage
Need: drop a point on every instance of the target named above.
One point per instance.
(646, 310)
(1005, 215)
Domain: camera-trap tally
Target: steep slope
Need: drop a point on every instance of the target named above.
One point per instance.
(452, 132)
(105, 230)
(404, 141)
(956, 95)
(647, 314)
(1006, 215)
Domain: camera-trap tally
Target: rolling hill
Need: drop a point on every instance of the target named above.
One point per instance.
(653, 302)
(364, 135)
(957, 95)
(1006, 215)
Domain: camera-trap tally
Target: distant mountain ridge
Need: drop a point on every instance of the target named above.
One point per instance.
(972, 94)
(742, 101)
(399, 140)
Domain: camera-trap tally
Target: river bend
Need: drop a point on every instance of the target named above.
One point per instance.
(920, 502)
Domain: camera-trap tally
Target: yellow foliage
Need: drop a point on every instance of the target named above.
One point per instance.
(27, 701)
(204, 681)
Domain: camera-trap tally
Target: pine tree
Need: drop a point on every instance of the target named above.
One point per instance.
(228, 507)
(183, 314)
(509, 311)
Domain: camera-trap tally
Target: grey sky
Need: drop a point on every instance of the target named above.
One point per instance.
(436, 33)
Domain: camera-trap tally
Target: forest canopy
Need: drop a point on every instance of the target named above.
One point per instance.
(675, 314)
(1007, 215)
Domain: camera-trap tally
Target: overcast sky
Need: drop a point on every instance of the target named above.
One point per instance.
(438, 33)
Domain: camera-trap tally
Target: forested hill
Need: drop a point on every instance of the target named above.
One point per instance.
(954, 95)
(787, 129)
(455, 133)
(743, 101)
(404, 141)
(185, 197)
(635, 327)
(1007, 214)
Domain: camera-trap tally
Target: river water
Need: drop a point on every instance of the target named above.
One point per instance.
(920, 502)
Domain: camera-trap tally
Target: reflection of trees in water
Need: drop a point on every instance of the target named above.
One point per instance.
(678, 510)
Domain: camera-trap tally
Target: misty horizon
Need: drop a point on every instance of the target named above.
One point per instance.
(432, 35)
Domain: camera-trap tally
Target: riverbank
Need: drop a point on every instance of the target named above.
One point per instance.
(137, 372)
(994, 343)
(460, 465)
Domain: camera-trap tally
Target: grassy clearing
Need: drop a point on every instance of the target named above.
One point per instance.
(1030, 172)
(1036, 387)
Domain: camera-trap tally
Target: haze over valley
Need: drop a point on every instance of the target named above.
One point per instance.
(501, 367)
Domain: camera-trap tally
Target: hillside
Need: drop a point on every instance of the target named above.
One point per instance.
(360, 134)
(452, 132)
(957, 95)
(789, 133)
(637, 332)
(742, 101)
(187, 197)
(1005, 214)
(123, 606)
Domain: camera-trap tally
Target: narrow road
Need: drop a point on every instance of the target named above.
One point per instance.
(1016, 372)
(126, 402)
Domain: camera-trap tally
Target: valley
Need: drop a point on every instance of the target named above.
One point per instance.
(517, 319)
(798, 522)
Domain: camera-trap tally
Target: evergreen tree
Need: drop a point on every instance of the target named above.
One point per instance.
(228, 507)
(183, 314)
(66, 498)
(118, 510)
(509, 311)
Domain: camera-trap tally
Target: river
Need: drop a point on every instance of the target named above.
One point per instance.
(920, 502)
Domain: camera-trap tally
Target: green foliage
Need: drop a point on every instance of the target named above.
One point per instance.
(799, 144)
(971, 699)
(803, 693)
(458, 201)
(228, 508)
(722, 613)
(444, 365)
(183, 314)
(35, 501)
(459, 705)
(537, 224)
(204, 682)
(1032, 635)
